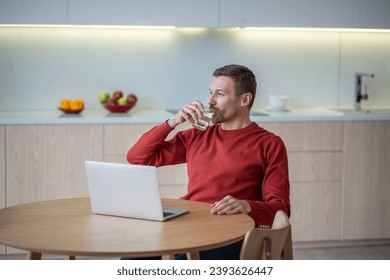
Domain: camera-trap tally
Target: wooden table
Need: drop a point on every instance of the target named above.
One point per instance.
(68, 227)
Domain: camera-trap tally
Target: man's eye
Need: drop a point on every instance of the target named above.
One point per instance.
(217, 93)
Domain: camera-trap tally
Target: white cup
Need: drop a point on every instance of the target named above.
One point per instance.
(277, 102)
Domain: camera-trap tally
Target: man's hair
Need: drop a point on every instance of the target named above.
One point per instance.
(243, 77)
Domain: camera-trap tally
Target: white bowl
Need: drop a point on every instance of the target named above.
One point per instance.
(277, 102)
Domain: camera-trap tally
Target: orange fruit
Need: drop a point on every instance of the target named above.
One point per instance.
(65, 104)
(77, 104)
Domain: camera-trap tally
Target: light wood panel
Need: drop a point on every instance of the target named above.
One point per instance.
(119, 138)
(315, 170)
(175, 174)
(316, 211)
(309, 136)
(315, 166)
(47, 162)
(366, 184)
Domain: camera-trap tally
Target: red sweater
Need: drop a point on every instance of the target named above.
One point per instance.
(249, 163)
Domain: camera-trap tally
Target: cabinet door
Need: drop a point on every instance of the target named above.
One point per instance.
(47, 161)
(187, 13)
(315, 161)
(33, 12)
(309, 136)
(374, 14)
(366, 184)
(286, 13)
(119, 138)
(316, 210)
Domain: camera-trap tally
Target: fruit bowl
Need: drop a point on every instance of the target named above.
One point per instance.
(68, 111)
(117, 108)
(69, 106)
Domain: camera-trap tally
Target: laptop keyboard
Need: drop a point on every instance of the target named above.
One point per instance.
(166, 214)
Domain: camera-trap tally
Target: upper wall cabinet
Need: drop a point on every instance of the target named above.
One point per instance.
(305, 13)
(184, 13)
(200, 13)
(33, 12)
(375, 14)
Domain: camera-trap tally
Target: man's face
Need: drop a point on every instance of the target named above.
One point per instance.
(223, 99)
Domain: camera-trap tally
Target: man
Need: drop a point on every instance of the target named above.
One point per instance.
(235, 165)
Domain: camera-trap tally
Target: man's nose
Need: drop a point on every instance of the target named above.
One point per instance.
(212, 99)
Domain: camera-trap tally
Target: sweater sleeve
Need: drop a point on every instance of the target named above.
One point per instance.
(275, 186)
(152, 149)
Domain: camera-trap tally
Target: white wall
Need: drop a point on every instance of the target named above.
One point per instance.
(168, 68)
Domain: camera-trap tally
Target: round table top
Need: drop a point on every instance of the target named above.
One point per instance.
(68, 227)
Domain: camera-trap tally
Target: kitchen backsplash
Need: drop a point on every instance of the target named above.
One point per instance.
(168, 68)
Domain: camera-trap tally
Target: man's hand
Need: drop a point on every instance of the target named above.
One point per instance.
(230, 205)
(190, 113)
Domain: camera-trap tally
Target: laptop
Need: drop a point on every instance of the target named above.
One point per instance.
(127, 190)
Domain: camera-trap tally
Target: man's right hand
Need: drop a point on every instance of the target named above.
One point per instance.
(189, 113)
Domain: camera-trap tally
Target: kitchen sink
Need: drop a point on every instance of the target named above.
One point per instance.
(258, 113)
(252, 113)
(363, 111)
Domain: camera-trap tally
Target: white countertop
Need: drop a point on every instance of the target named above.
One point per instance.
(140, 116)
(88, 116)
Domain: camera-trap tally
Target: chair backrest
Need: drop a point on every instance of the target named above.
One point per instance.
(269, 244)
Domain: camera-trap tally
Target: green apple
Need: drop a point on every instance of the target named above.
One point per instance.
(103, 96)
(122, 101)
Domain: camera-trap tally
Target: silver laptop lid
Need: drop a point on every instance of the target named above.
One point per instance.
(124, 190)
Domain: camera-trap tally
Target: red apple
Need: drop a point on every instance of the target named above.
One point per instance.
(117, 94)
(111, 100)
(132, 98)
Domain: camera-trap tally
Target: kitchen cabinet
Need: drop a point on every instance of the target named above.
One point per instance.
(305, 13)
(119, 138)
(33, 12)
(375, 14)
(201, 13)
(315, 152)
(47, 161)
(340, 184)
(366, 184)
(184, 13)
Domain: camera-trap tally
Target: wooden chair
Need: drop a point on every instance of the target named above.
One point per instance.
(269, 244)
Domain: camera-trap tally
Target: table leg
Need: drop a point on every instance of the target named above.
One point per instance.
(168, 257)
(34, 256)
(193, 255)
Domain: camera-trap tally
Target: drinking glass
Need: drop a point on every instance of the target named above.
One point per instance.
(205, 121)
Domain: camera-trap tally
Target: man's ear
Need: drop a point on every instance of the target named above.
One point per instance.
(246, 99)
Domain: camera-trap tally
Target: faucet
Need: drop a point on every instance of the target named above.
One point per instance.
(358, 89)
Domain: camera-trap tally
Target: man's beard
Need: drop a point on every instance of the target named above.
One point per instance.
(221, 117)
